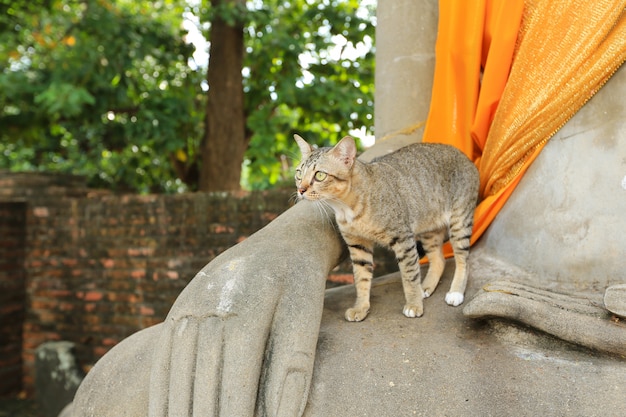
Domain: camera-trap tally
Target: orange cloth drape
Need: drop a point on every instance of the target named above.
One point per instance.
(540, 61)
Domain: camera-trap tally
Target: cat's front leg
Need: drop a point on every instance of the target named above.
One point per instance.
(406, 253)
(362, 256)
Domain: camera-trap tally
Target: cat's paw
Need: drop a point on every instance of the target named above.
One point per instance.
(356, 314)
(429, 286)
(454, 298)
(412, 310)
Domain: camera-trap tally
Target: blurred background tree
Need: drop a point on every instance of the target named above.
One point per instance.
(110, 89)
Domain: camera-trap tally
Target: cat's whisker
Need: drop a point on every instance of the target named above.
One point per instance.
(328, 213)
(294, 199)
(322, 210)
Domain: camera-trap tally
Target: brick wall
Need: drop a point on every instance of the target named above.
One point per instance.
(93, 267)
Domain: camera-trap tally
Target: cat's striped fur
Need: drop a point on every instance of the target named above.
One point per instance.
(423, 192)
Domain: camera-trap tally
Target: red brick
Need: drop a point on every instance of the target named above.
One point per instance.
(100, 351)
(93, 296)
(69, 262)
(108, 263)
(86, 259)
(341, 278)
(41, 212)
(146, 311)
(140, 251)
(108, 341)
(138, 274)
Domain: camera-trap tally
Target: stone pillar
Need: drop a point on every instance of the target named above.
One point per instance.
(406, 32)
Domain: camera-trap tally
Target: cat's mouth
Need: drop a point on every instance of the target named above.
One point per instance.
(308, 195)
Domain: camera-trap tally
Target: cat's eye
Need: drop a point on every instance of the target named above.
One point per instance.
(320, 176)
(298, 174)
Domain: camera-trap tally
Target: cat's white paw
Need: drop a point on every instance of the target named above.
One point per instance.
(412, 311)
(454, 298)
(426, 294)
(356, 314)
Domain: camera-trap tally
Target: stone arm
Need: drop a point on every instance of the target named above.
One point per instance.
(240, 339)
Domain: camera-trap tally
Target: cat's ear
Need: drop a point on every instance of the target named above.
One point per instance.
(345, 151)
(304, 146)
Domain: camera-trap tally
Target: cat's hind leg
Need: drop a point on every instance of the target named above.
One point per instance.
(407, 256)
(460, 235)
(362, 256)
(432, 243)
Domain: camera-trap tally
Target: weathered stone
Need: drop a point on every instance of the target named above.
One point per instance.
(615, 299)
(57, 376)
(565, 221)
(575, 319)
(444, 364)
(440, 364)
(239, 340)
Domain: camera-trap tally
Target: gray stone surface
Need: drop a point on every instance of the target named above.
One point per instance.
(566, 220)
(615, 300)
(57, 376)
(577, 319)
(445, 364)
(254, 313)
(240, 339)
(119, 383)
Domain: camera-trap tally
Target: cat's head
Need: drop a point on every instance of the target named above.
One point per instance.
(325, 173)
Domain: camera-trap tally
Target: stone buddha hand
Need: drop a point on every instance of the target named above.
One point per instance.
(240, 339)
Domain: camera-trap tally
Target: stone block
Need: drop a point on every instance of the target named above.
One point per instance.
(57, 376)
(615, 299)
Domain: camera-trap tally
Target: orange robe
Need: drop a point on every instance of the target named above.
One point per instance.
(509, 74)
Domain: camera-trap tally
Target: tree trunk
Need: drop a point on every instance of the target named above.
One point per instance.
(224, 142)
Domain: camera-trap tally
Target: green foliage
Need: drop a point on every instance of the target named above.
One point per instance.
(102, 87)
(98, 88)
(303, 75)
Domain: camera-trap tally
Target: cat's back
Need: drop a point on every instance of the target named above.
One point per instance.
(427, 155)
(418, 186)
(428, 169)
(424, 152)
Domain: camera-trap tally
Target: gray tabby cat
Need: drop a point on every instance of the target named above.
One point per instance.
(423, 191)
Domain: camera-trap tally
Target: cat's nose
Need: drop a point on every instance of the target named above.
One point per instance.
(302, 190)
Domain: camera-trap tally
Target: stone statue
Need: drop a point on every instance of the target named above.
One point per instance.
(241, 336)
(244, 337)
